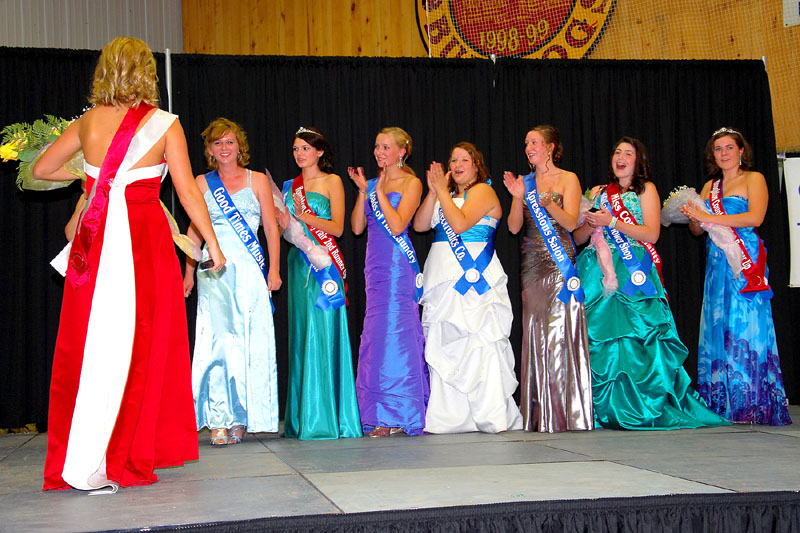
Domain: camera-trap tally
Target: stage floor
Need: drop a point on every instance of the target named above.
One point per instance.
(267, 476)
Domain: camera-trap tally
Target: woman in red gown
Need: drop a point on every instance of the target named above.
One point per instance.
(120, 393)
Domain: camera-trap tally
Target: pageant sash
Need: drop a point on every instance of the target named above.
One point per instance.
(97, 200)
(572, 283)
(402, 241)
(622, 213)
(754, 271)
(239, 225)
(328, 242)
(472, 268)
(330, 297)
(638, 270)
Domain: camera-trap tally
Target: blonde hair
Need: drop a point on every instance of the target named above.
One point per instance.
(216, 130)
(125, 74)
(403, 140)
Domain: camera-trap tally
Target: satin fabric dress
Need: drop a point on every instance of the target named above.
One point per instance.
(392, 378)
(321, 398)
(119, 409)
(556, 383)
(739, 371)
(638, 379)
(466, 341)
(234, 373)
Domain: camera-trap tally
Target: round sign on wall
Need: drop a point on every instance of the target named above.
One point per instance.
(512, 28)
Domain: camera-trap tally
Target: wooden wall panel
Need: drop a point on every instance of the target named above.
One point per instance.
(658, 29)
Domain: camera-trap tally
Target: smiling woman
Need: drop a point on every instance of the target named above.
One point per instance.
(234, 377)
(392, 382)
(556, 394)
(638, 379)
(466, 309)
(739, 371)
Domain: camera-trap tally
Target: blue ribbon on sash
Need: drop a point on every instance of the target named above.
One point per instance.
(402, 241)
(239, 225)
(330, 297)
(638, 281)
(473, 268)
(572, 283)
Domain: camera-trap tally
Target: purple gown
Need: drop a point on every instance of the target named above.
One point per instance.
(392, 380)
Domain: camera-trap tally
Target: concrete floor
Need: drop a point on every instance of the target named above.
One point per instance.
(269, 476)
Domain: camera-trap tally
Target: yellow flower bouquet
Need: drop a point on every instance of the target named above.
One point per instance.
(26, 143)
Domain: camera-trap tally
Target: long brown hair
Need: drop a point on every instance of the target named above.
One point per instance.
(315, 138)
(712, 169)
(641, 170)
(477, 158)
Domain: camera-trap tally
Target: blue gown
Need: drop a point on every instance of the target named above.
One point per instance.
(392, 383)
(321, 397)
(739, 372)
(638, 379)
(234, 375)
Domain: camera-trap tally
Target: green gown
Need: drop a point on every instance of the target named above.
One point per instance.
(321, 399)
(638, 379)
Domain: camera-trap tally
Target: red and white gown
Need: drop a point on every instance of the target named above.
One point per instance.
(121, 395)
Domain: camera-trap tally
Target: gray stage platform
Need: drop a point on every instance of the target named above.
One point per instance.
(268, 476)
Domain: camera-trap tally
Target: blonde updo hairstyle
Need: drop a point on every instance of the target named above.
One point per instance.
(125, 74)
(403, 140)
(216, 130)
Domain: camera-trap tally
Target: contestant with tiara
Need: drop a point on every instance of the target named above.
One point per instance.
(234, 377)
(120, 394)
(638, 377)
(556, 385)
(392, 378)
(739, 371)
(466, 310)
(321, 398)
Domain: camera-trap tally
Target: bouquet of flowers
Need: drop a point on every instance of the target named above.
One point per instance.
(722, 236)
(26, 143)
(293, 230)
(603, 251)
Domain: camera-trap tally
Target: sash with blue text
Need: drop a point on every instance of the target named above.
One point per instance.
(572, 283)
(402, 241)
(239, 224)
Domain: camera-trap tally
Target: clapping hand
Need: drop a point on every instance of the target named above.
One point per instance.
(357, 175)
(515, 185)
(437, 179)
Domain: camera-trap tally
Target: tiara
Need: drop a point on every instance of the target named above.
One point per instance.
(303, 129)
(725, 130)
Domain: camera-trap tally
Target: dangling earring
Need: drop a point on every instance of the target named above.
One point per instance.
(400, 163)
(740, 161)
(239, 156)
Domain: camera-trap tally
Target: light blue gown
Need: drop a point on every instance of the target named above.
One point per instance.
(234, 376)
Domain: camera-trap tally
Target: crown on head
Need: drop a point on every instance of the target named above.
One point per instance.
(724, 130)
(303, 129)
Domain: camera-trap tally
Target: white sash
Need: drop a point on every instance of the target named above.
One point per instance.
(112, 323)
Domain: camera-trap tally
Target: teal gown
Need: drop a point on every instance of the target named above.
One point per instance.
(321, 399)
(638, 379)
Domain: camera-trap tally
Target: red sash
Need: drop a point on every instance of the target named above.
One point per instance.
(328, 242)
(78, 267)
(622, 213)
(753, 271)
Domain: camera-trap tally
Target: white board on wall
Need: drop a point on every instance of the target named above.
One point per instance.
(791, 13)
(791, 172)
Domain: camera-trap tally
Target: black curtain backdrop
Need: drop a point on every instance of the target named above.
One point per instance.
(672, 106)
